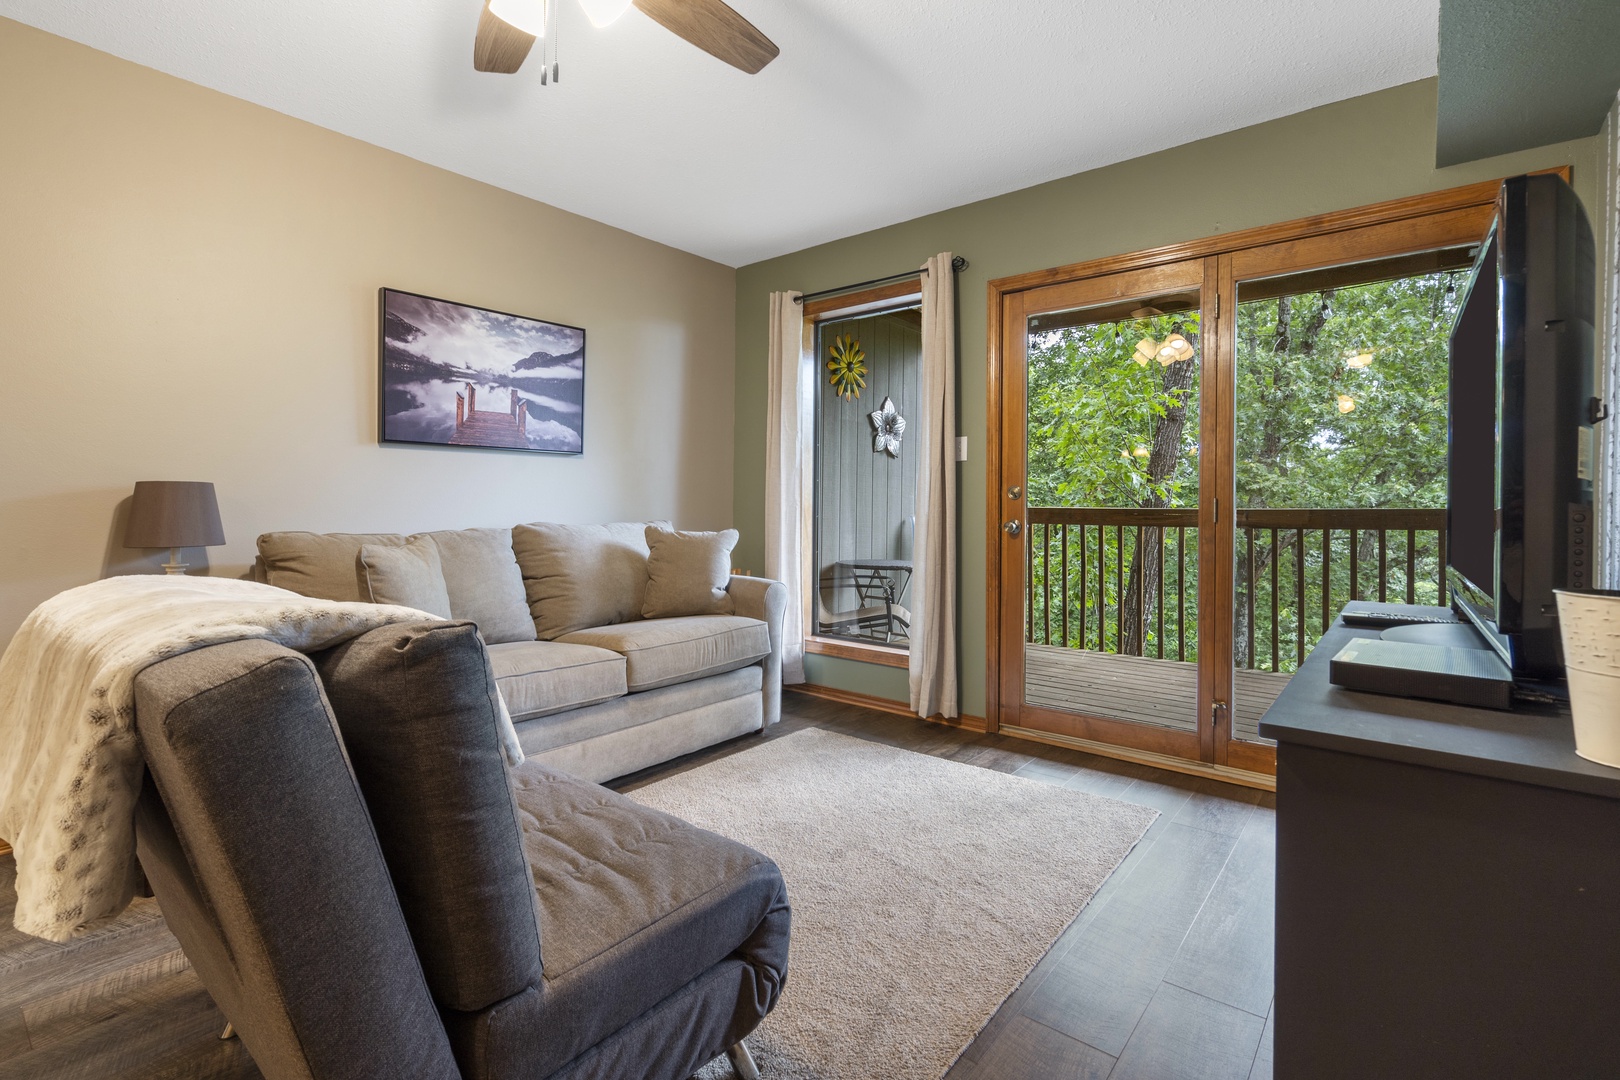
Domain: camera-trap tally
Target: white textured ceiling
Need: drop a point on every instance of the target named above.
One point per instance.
(877, 111)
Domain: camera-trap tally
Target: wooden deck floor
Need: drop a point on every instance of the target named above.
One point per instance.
(1148, 691)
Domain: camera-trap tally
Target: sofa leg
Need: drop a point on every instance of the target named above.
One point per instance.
(742, 1062)
(228, 1033)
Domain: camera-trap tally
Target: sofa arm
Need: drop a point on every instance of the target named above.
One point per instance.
(766, 600)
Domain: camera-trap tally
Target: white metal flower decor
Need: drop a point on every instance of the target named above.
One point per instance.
(887, 427)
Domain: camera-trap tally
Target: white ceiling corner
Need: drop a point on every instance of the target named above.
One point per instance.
(877, 111)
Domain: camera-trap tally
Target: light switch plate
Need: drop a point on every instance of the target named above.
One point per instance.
(961, 448)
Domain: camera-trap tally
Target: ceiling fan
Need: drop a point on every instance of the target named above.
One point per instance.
(508, 29)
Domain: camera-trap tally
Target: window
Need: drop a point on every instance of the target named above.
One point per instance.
(868, 367)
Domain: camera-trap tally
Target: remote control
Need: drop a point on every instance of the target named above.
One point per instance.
(1385, 619)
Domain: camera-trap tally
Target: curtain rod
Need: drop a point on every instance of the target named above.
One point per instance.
(958, 264)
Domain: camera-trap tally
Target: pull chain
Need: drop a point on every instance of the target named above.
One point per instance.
(545, 41)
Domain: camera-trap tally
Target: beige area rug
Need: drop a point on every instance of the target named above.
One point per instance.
(923, 892)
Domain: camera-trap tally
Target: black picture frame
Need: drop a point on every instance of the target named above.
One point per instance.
(427, 345)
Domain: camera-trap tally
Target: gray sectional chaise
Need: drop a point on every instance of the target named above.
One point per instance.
(595, 689)
(367, 891)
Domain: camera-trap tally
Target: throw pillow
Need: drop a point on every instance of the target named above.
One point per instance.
(483, 582)
(417, 706)
(321, 565)
(687, 573)
(580, 576)
(409, 575)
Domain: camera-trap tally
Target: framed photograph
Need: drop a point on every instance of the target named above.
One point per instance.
(457, 375)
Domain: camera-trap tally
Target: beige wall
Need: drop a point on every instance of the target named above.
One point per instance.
(1351, 153)
(188, 290)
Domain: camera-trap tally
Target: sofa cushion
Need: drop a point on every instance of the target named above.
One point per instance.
(484, 583)
(636, 905)
(538, 678)
(659, 652)
(577, 576)
(687, 572)
(647, 709)
(416, 705)
(408, 575)
(322, 565)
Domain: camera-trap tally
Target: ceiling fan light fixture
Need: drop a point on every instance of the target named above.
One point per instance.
(528, 16)
(1175, 350)
(604, 13)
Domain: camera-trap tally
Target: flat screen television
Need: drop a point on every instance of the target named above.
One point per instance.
(1520, 441)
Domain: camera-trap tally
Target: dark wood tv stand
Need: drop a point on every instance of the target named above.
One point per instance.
(1448, 888)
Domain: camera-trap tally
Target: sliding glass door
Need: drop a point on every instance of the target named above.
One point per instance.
(1199, 460)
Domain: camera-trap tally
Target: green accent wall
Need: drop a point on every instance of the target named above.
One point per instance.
(1516, 73)
(1351, 153)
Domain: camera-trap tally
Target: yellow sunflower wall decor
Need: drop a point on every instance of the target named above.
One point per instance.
(848, 367)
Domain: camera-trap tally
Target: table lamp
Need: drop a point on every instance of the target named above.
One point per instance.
(173, 514)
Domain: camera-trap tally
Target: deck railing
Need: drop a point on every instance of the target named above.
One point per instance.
(1126, 580)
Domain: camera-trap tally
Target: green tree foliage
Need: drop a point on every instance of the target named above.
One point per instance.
(1093, 413)
(1341, 402)
(1381, 349)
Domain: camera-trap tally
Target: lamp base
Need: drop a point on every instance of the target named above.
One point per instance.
(174, 565)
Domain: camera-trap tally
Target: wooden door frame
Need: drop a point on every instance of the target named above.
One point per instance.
(1091, 292)
(1412, 210)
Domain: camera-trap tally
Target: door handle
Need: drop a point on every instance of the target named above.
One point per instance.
(1013, 527)
(1015, 492)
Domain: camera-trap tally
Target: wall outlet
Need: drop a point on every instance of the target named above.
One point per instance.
(961, 448)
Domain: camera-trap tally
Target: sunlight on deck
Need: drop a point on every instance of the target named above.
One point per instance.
(1147, 691)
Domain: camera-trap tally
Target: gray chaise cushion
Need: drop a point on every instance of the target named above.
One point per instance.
(637, 905)
(687, 572)
(275, 884)
(660, 652)
(484, 583)
(417, 707)
(576, 576)
(322, 565)
(538, 678)
(721, 1007)
(409, 575)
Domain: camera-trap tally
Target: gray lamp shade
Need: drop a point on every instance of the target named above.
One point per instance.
(173, 514)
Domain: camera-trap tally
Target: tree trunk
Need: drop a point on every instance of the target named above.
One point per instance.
(1143, 585)
(1242, 589)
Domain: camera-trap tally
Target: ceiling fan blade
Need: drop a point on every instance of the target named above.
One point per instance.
(500, 46)
(716, 29)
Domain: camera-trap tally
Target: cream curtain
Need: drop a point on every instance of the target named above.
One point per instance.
(933, 579)
(1608, 357)
(787, 425)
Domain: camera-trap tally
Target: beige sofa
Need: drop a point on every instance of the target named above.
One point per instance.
(595, 689)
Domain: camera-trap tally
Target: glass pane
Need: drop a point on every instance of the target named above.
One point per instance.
(1111, 613)
(868, 371)
(1341, 456)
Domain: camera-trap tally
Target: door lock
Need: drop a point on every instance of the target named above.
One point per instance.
(1217, 709)
(1013, 527)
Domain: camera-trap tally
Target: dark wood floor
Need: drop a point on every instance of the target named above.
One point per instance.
(1166, 974)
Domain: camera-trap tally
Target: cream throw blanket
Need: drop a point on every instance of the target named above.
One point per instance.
(70, 758)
